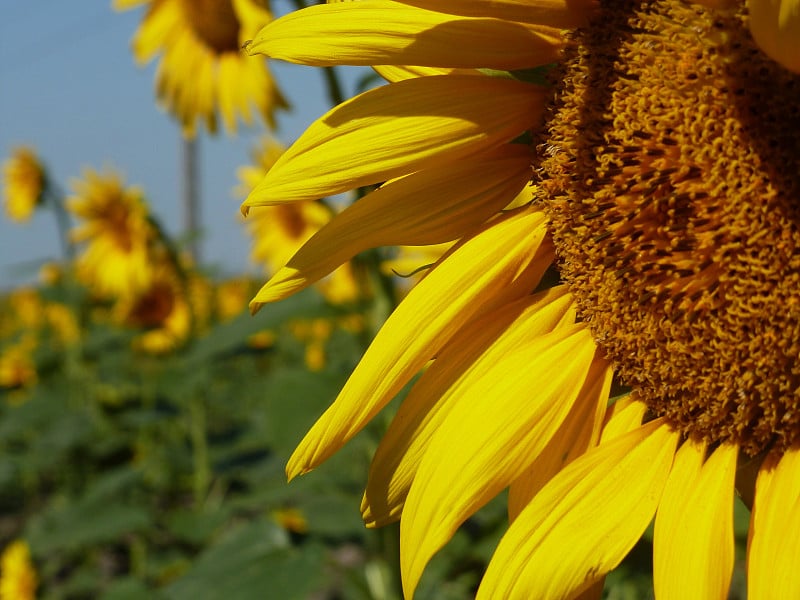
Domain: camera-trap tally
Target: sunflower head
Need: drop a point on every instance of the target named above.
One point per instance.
(203, 76)
(116, 232)
(660, 247)
(23, 184)
(17, 367)
(163, 310)
(18, 578)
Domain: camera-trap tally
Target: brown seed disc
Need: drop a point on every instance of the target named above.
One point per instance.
(670, 168)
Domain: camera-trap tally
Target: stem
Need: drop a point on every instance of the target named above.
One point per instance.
(197, 431)
(190, 197)
(55, 197)
(334, 87)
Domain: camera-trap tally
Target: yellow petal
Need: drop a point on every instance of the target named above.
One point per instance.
(585, 520)
(394, 73)
(428, 207)
(503, 421)
(346, 34)
(556, 13)
(579, 432)
(693, 542)
(775, 25)
(127, 4)
(773, 550)
(503, 261)
(466, 358)
(397, 129)
(625, 415)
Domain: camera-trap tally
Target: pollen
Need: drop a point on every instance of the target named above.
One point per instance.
(670, 170)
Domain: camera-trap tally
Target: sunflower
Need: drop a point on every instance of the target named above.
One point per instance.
(17, 366)
(23, 185)
(117, 233)
(203, 74)
(18, 580)
(162, 310)
(660, 249)
(279, 231)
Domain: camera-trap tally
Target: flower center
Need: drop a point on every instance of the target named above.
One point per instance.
(214, 22)
(671, 172)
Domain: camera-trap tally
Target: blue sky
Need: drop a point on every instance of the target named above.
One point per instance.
(69, 87)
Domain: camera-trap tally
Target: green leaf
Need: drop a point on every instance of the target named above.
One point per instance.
(232, 335)
(254, 561)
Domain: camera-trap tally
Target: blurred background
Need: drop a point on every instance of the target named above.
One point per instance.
(70, 88)
(145, 415)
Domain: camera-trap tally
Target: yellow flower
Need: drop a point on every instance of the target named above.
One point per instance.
(203, 73)
(116, 261)
(162, 309)
(27, 308)
(667, 172)
(232, 297)
(63, 322)
(261, 340)
(17, 368)
(291, 519)
(51, 273)
(23, 184)
(18, 579)
(279, 231)
(315, 333)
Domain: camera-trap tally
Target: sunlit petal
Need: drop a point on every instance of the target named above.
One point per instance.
(397, 129)
(773, 551)
(489, 437)
(693, 543)
(597, 507)
(345, 33)
(428, 207)
(579, 432)
(400, 72)
(502, 262)
(465, 359)
(557, 13)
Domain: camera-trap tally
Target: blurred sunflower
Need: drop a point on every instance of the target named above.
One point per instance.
(279, 231)
(18, 579)
(163, 310)
(203, 72)
(117, 234)
(23, 184)
(232, 297)
(667, 169)
(17, 367)
(62, 323)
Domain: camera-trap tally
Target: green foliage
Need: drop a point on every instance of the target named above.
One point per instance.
(139, 476)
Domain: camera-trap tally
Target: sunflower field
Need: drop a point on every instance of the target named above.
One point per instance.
(524, 324)
(146, 416)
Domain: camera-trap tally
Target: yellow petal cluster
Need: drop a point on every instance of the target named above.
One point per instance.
(116, 234)
(202, 75)
(23, 184)
(18, 580)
